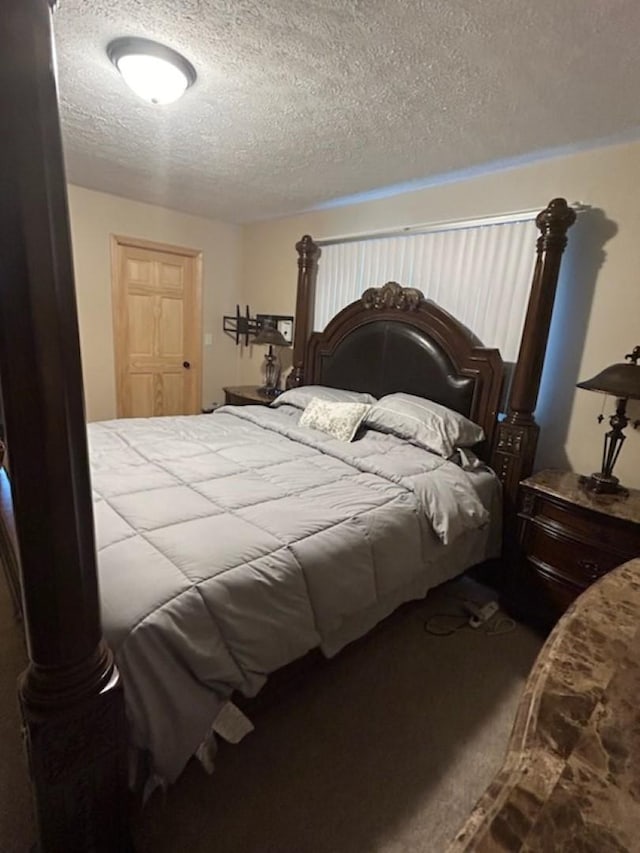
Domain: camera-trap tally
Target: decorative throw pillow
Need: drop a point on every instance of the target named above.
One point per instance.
(423, 422)
(341, 420)
(302, 396)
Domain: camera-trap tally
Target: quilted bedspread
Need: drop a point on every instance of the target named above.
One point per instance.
(231, 544)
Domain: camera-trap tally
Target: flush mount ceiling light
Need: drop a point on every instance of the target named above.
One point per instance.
(154, 72)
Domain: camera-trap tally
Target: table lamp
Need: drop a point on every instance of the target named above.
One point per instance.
(269, 336)
(623, 382)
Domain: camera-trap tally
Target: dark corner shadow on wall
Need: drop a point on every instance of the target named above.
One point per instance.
(584, 257)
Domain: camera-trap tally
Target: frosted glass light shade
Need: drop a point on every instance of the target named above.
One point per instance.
(154, 72)
(153, 79)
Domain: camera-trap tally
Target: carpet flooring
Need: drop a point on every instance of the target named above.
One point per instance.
(383, 749)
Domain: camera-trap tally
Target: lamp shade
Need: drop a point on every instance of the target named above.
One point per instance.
(269, 336)
(619, 380)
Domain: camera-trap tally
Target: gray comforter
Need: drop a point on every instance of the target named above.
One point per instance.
(231, 544)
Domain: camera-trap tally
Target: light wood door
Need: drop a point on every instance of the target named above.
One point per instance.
(157, 328)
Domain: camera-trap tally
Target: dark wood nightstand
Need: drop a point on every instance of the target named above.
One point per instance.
(568, 539)
(246, 395)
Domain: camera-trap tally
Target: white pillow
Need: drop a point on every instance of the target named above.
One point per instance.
(341, 420)
(302, 396)
(423, 422)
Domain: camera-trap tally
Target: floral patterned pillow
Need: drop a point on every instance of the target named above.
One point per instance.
(341, 420)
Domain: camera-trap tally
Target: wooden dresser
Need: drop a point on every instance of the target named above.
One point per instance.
(568, 539)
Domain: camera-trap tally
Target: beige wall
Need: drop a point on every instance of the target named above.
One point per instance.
(597, 319)
(94, 217)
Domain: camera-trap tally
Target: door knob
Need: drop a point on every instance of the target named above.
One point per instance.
(186, 364)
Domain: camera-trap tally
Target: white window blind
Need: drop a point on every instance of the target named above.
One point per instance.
(480, 273)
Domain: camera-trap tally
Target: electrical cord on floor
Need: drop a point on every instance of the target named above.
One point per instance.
(446, 624)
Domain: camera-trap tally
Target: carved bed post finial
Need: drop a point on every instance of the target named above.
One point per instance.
(517, 436)
(308, 254)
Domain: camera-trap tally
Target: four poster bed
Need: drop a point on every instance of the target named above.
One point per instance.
(381, 512)
(230, 545)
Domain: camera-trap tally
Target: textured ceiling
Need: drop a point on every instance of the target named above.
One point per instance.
(299, 102)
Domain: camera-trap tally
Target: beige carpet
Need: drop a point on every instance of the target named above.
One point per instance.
(383, 749)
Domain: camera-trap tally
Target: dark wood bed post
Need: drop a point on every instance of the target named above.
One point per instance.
(517, 435)
(70, 695)
(308, 254)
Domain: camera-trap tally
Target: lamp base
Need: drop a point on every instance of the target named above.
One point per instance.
(603, 484)
(271, 373)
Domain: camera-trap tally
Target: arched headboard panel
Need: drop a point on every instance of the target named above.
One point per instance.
(392, 339)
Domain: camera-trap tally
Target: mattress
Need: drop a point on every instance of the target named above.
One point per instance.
(231, 544)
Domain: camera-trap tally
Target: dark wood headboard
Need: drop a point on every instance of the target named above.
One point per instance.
(393, 339)
(325, 357)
